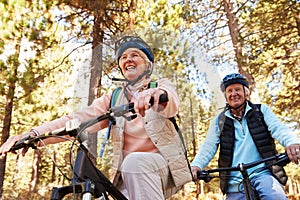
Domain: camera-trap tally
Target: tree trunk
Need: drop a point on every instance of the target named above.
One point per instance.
(96, 65)
(17, 174)
(35, 171)
(8, 114)
(53, 165)
(296, 13)
(234, 29)
(193, 128)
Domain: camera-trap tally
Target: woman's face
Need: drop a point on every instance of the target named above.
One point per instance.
(132, 64)
(235, 95)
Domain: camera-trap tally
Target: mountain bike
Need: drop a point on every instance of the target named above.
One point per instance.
(250, 192)
(88, 181)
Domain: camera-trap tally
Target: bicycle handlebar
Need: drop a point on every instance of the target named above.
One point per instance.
(116, 111)
(280, 159)
(119, 111)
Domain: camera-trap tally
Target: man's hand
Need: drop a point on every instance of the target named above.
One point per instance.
(293, 152)
(195, 171)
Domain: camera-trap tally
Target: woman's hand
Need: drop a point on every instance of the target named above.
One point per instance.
(141, 103)
(6, 146)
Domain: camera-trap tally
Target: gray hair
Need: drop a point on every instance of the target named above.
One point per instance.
(145, 57)
(247, 92)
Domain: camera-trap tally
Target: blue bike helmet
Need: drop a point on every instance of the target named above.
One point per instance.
(127, 42)
(232, 79)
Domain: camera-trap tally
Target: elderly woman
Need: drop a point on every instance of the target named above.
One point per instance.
(148, 155)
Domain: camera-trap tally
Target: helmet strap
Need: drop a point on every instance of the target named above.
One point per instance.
(145, 73)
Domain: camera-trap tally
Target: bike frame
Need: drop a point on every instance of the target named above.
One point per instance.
(250, 192)
(87, 180)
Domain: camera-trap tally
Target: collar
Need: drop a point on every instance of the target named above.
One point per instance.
(137, 87)
(246, 110)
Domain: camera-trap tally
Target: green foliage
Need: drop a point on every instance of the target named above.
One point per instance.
(30, 61)
(269, 33)
(159, 14)
(272, 39)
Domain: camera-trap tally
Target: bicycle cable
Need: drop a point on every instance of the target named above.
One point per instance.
(51, 157)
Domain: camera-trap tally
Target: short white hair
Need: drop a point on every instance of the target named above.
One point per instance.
(247, 92)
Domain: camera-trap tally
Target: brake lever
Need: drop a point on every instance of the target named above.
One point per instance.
(121, 110)
(24, 142)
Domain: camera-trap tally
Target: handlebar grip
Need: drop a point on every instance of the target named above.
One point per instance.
(283, 159)
(203, 175)
(162, 99)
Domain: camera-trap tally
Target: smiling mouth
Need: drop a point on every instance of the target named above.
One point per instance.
(235, 99)
(130, 67)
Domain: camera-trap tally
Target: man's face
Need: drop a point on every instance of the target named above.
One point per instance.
(132, 64)
(235, 95)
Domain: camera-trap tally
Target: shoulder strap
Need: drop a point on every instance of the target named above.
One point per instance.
(173, 120)
(152, 84)
(221, 120)
(113, 100)
(114, 96)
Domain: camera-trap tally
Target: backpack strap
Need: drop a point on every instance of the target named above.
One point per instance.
(114, 96)
(112, 120)
(173, 120)
(221, 119)
(152, 84)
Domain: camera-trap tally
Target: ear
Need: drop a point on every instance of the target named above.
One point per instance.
(225, 97)
(149, 68)
(149, 65)
(247, 96)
